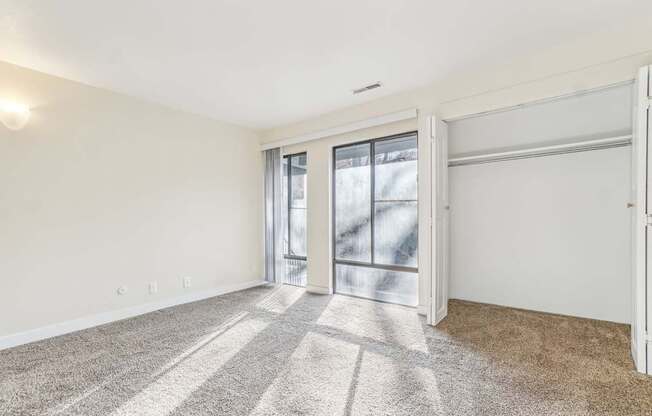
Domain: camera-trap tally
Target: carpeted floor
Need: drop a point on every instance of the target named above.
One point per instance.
(281, 351)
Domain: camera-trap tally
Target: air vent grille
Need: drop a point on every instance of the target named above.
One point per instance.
(367, 88)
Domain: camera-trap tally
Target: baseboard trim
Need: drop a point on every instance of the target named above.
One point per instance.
(318, 289)
(66, 327)
(422, 310)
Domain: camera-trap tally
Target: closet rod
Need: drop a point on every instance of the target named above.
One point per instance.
(557, 149)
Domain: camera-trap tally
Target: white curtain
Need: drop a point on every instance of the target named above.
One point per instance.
(273, 218)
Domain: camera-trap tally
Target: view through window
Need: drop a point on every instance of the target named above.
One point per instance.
(294, 218)
(375, 219)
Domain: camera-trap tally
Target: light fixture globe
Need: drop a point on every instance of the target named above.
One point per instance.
(14, 116)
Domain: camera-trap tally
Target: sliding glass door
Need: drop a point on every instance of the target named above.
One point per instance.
(294, 218)
(375, 219)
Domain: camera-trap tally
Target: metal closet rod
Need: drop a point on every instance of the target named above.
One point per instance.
(557, 149)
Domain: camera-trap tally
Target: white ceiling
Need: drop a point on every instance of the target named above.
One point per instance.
(270, 62)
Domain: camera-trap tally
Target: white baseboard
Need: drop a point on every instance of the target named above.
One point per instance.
(318, 289)
(422, 310)
(78, 324)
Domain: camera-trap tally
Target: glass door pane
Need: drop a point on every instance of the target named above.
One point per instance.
(353, 203)
(376, 224)
(285, 189)
(379, 284)
(298, 205)
(295, 187)
(395, 202)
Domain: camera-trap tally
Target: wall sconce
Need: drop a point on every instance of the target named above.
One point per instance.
(13, 115)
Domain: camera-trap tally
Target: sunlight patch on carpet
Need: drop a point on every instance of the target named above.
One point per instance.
(201, 343)
(316, 381)
(281, 299)
(385, 386)
(170, 390)
(378, 321)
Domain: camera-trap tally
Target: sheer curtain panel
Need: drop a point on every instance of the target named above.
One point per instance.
(273, 219)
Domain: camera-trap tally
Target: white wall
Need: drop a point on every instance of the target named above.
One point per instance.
(550, 234)
(101, 190)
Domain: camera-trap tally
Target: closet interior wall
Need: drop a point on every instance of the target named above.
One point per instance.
(551, 231)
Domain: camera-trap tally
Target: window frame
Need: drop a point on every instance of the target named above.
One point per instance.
(372, 167)
(289, 206)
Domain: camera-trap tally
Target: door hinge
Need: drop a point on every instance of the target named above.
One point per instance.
(648, 220)
(648, 338)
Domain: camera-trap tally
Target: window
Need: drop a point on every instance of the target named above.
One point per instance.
(375, 219)
(294, 219)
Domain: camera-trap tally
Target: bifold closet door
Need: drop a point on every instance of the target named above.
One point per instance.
(641, 220)
(440, 237)
(648, 285)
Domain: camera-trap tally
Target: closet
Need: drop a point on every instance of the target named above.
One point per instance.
(538, 199)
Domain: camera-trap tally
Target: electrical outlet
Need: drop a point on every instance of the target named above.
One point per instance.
(122, 290)
(186, 282)
(153, 287)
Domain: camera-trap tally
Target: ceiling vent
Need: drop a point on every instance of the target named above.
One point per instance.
(367, 88)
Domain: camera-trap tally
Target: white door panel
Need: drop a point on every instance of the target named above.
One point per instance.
(641, 237)
(440, 221)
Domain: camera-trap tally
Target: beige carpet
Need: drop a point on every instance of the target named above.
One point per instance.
(281, 351)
